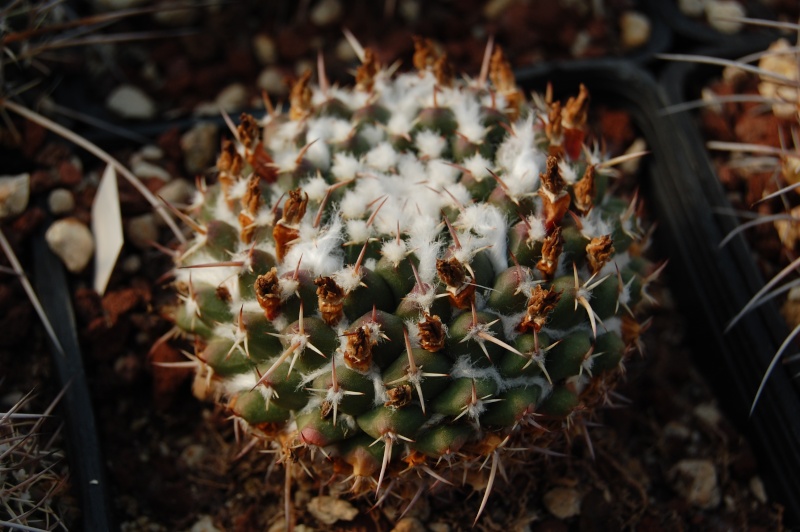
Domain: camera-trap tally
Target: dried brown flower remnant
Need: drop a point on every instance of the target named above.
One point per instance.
(285, 231)
(451, 272)
(555, 199)
(229, 162)
(443, 71)
(585, 190)
(598, 252)
(268, 293)
(454, 275)
(399, 396)
(431, 333)
(329, 297)
(551, 250)
(502, 76)
(251, 201)
(365, 74)
(248, 131)
(300, 98)
(576, 110)
(540, 305)
(358, 353)
(425, 54)
(554, 130)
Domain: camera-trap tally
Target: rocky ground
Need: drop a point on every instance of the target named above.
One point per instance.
(665, 457)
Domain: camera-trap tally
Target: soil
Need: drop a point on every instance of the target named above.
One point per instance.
(664, 455)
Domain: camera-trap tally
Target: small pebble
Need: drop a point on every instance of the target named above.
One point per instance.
(326, 12)
(691, 8)
(757, 487)
(344, 51)
(271, 80)
(199, 146)
(696, 481)
(72, 242)
(131, 102)
(151, 152)
(563, 503)
(143, 169)
(204, 524)
(264, 49)
(14, 194)
(232, 98)
(719, 10)
(131, 264)
(409, 524)
(184, 16)
(176, 192)
(142, 230)
(60, 201)
(635, 29)
(329, 510)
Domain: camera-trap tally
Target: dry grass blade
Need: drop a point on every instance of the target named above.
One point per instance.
(100, 154)
(26, 285)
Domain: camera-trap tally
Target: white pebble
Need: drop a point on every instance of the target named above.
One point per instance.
(717, 11)
(634, 29)
(696, 481)
(60, 201)
(326, 12)
(131, 102)
(232, 98)
(329, 510)
(691, 8)
(142, 230)
(563, 503)
(176, 192)
(264, 49)
(271, 80)
(131, 264)
(144, 169)
(199, 146)
(15, 191)
(72, 242)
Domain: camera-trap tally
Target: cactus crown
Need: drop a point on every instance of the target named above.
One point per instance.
(412, 276)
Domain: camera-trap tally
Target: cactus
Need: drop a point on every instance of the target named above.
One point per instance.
(409, 279)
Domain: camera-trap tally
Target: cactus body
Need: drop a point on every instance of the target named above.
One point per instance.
(416, 268)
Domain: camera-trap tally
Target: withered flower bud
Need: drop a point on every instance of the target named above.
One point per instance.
(365, 74)
(424, 53)
(443, 71)
(329, 300)
(358, 353)
(451, 272)
(248, 131)
(598, 252)
(576, 111)
(540, 305)
(431, 333)
(399, 396)
(551, 249)
(585, 190)
(268, 293)
(300, 98)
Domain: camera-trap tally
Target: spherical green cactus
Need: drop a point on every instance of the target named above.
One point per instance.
(412, 276)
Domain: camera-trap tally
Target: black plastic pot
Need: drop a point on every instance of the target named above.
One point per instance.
(87, 468)
(690, 32)
(723, 280)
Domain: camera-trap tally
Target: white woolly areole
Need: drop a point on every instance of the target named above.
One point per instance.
(429, 143)
(395, 252)
(357, 231)
(345, 166)
(315, 187)
(320, 250)
(567, 172)
(478, 166)
(373, 135)
(469, 118)
(241, 382)
(594, 226)
(537, 231)
(348, 278)
(382, 157)
(489, 225)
